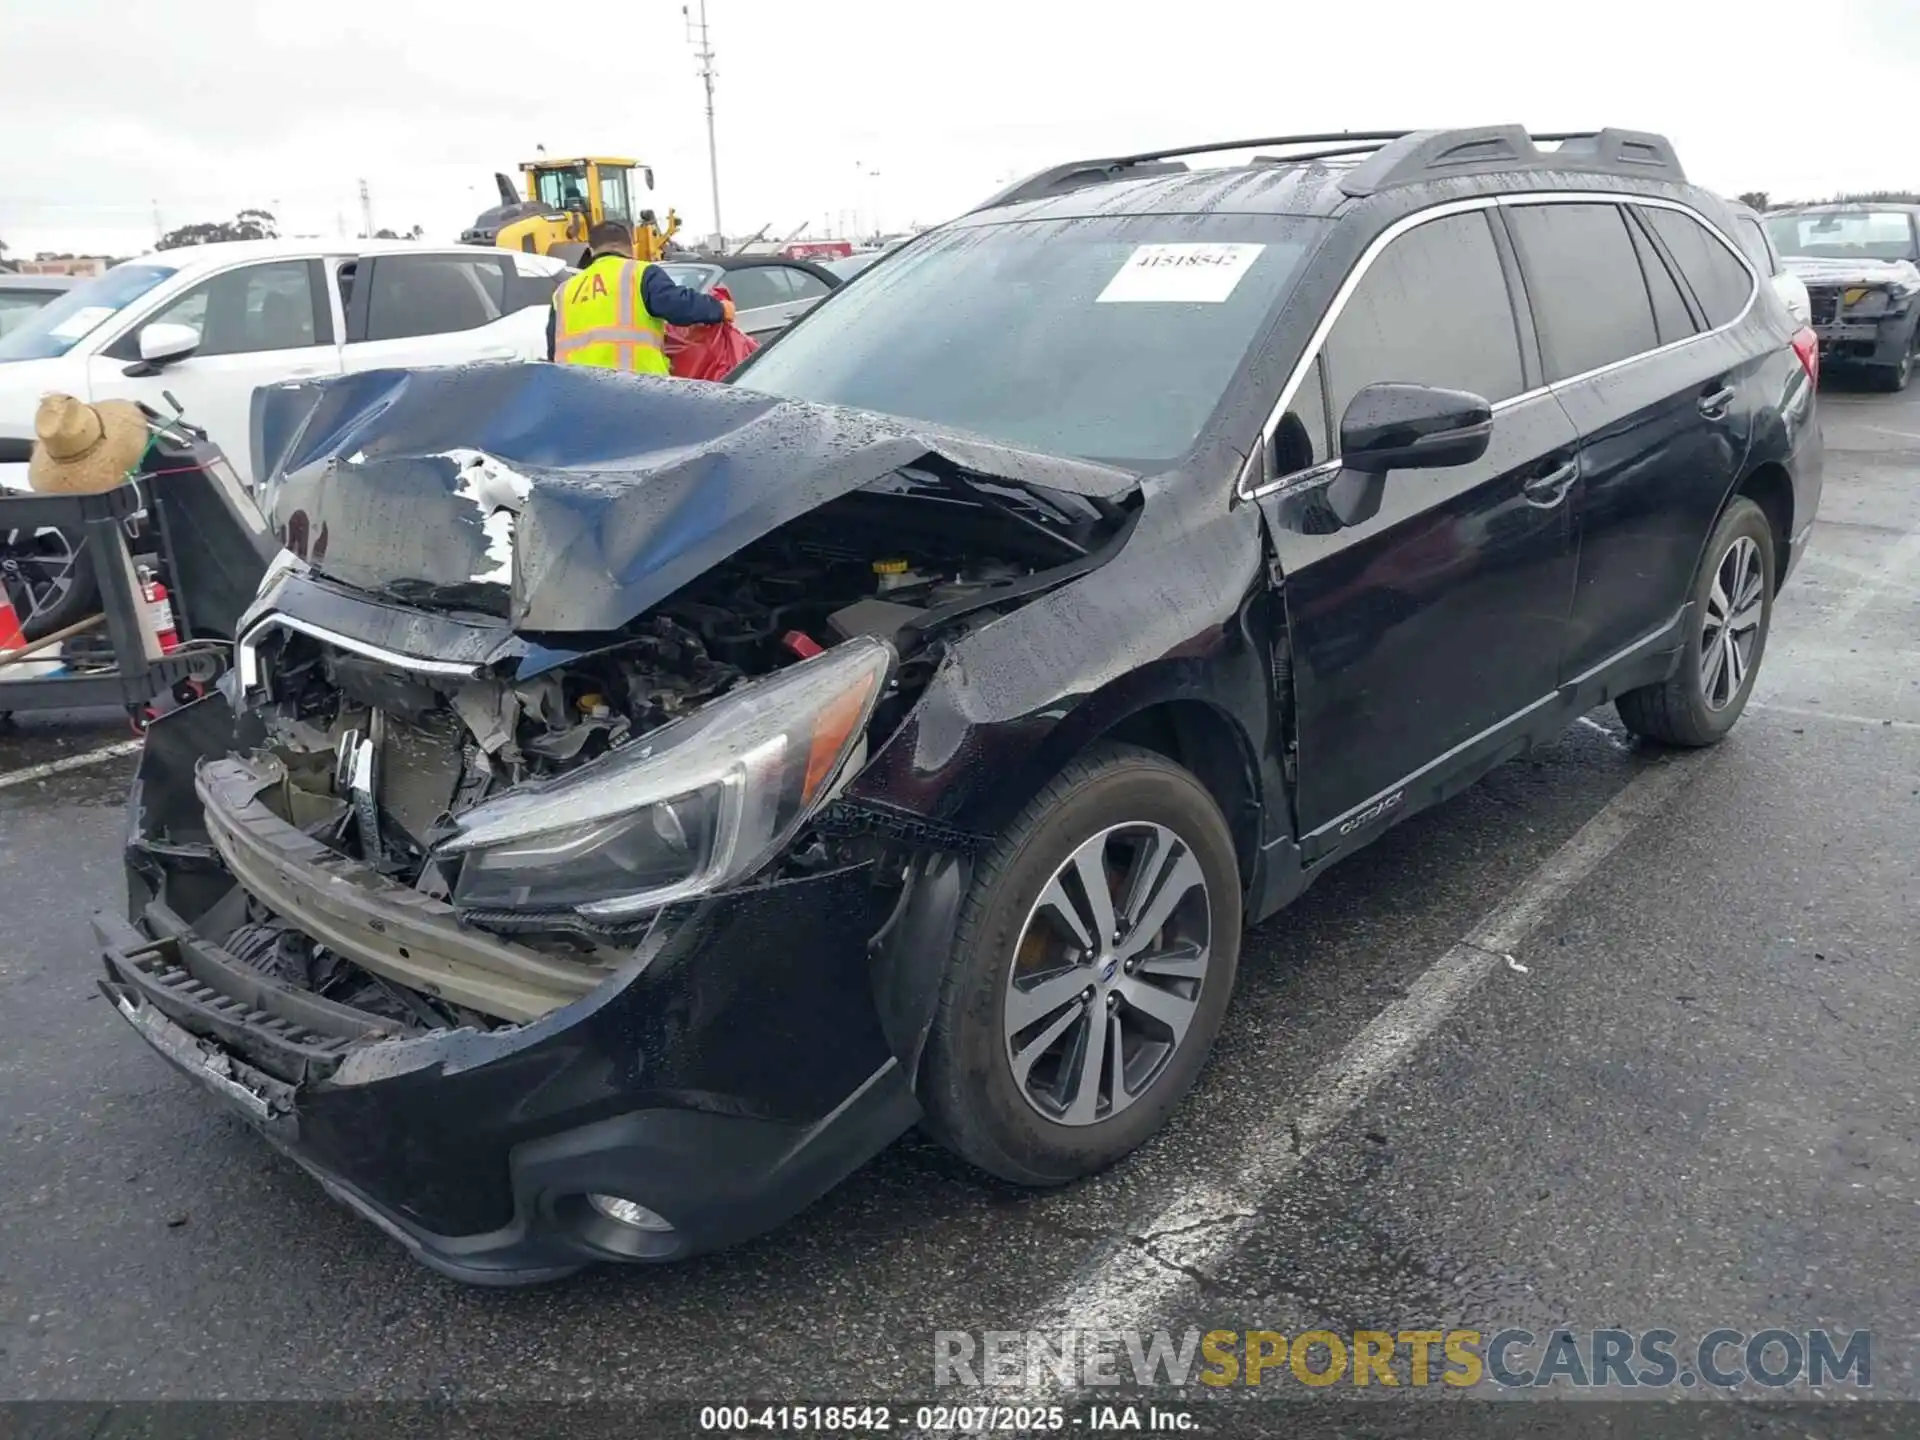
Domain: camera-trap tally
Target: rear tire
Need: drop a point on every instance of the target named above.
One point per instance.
(1726, 638)
(1041, 1111)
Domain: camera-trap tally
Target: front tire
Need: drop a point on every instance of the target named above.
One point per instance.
(1732, 612)
(1895, 378)
(1091, 967)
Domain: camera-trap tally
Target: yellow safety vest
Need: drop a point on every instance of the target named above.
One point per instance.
(601, 320)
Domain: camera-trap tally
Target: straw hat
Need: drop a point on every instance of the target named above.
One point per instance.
(84, 449)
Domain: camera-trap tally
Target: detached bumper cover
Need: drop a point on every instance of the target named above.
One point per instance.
(729, 1074)
(1880, 341)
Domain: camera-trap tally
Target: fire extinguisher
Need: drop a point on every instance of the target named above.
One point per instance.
(160, 621)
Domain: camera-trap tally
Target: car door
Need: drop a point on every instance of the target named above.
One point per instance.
(1656, 405)
(431, 308)
(1422, 629)
(259, 324)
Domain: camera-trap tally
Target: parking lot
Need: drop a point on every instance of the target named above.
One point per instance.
(1616, 1038)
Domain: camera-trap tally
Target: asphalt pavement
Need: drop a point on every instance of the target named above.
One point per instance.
(1614, 1040)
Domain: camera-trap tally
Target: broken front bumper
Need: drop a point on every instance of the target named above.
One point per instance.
(726, 1076)
(1874, 342)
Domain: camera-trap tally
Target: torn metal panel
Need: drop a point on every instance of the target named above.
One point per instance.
(571, 500)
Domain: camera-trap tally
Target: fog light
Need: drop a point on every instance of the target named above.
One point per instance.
(629, 1212)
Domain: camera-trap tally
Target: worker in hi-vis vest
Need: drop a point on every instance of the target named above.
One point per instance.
(614, 314)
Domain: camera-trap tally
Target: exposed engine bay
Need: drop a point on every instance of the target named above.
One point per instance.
(378, 762)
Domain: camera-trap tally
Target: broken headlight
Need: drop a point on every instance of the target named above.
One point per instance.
(1863, 303)
(691, 807)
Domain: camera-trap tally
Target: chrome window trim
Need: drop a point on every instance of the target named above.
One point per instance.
(247, 659)
(1246, 488)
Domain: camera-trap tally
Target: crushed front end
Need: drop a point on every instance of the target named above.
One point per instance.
(536, 945)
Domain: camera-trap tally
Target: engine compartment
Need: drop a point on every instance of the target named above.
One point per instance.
(380, 760)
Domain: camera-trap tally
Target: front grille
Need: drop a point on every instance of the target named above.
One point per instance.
(1826, 303)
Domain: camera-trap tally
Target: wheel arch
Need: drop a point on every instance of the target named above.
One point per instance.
(1770, 487)
(1209, 744)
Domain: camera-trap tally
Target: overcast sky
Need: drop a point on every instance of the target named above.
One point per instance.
(838, 111)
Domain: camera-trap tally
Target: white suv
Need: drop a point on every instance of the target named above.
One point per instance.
(210, 323)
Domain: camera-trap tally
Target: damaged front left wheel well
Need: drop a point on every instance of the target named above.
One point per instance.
(1207, 744)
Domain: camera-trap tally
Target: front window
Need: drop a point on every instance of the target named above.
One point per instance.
(1112, 338)
(57, 328)
(613, 195)
(563, 189)
(1845, 235)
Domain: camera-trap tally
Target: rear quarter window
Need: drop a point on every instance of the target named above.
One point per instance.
(1718, 280)
(434, 295)
(1589, 299)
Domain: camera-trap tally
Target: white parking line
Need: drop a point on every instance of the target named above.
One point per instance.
(1130, 1287)
(70, 762)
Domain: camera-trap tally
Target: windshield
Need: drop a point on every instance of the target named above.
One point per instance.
(57, 328)
(1845, 235)
(1111, 338)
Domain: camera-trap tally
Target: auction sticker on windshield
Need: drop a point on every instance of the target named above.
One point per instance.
(1180, 274)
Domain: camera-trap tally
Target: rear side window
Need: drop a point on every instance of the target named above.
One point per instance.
(1717, 278)
(1753, 240)
(1670, 314)
(753, 286)
(1584, 281)
(527, 288)
(1432, 310)
(433, 295)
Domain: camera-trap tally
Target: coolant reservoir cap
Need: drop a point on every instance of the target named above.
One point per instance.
(889, 567)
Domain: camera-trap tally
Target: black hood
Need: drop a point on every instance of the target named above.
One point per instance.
(567, 498)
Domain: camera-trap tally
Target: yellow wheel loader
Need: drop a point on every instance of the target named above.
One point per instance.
(563, 199)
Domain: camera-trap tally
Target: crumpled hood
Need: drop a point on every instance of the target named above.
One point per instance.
(1818, 270)
(571, 499)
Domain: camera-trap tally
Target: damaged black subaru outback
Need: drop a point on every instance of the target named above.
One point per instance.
(636, 803)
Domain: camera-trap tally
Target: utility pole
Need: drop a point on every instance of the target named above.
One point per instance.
(703, 52)
(366, 211)
(159, 230)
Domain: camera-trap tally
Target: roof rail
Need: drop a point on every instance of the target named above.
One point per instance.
(1077, 174)
(1488, 149)
(1395, 157)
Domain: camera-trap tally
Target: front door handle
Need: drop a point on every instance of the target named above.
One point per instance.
(1714, 406)
(1550, 489)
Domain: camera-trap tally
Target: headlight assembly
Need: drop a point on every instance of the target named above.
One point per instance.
(694, 806)
(1864, 303)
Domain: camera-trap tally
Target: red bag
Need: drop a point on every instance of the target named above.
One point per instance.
(708, 352)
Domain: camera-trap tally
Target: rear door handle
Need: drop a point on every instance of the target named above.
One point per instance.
(1715, 405)
(1550, 489)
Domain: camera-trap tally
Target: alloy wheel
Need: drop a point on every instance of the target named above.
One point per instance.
(1730, 630)
(1107, 973)
(36, 571)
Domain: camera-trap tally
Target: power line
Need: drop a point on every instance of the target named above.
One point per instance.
(703, 52)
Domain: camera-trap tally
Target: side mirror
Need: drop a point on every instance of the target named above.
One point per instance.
(647, 172)
(162, 343)
(1393, 426)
